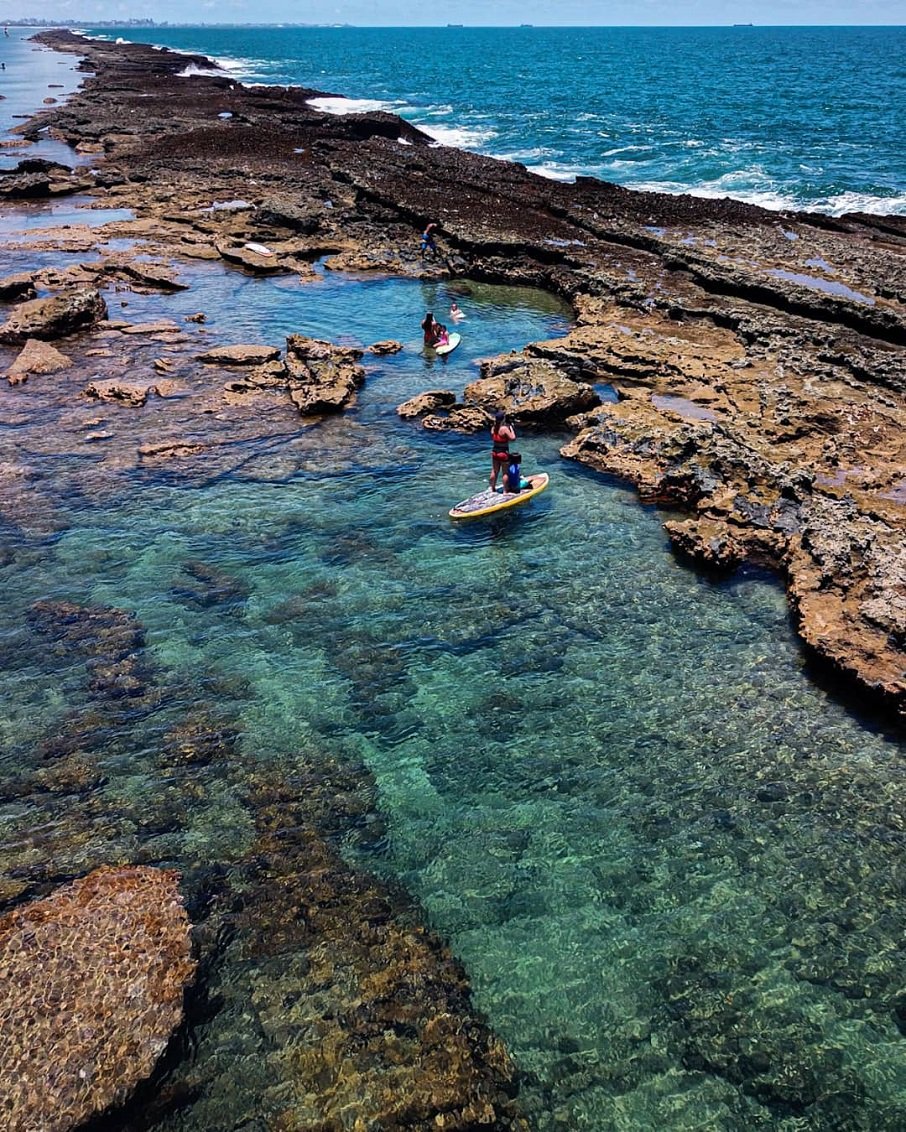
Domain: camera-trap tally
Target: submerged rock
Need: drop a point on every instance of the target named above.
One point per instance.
(55, 317)
(92, 990)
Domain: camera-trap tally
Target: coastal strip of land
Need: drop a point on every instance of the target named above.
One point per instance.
(757, 357)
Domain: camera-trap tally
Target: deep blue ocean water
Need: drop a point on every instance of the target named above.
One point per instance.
(807, 118)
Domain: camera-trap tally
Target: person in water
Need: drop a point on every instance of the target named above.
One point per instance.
(455, 313)
(435, 332)
(427, 242)
(502, 435)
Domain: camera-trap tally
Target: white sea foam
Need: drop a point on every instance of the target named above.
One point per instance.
(627, 149)
(353, 105)
(459, 137)
(192, 70)
(553, 171)
(777, 200)
(863, 202)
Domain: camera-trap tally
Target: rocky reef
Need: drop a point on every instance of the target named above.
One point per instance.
(92, 990)
(756, 357)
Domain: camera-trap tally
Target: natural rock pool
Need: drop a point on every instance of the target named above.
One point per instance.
(671, 862)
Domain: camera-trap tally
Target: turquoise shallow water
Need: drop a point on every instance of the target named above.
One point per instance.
(671, 862)
(805, 117)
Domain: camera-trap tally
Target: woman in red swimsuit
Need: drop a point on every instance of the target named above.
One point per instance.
(502, 434)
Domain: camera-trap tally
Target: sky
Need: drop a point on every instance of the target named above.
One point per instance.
(471, 12)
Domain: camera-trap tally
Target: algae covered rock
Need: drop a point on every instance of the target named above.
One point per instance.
(92, 990)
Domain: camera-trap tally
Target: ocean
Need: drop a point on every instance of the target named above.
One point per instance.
(805, 118)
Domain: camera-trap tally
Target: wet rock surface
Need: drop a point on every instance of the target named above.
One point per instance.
(92, 990)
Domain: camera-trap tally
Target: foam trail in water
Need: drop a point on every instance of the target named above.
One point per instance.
(460, 137)
(354, 105)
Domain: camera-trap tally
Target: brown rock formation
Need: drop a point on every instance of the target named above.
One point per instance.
(54, 317)
(240, 355)
(18, 286)
(92, 990)
(428, 402)
(323, 378)
(37, 357)
(530, 390)
(126, 393)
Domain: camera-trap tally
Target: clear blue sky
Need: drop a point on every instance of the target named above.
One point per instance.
(475, 12)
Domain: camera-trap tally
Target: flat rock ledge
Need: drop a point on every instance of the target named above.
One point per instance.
(240, 355)
(91, 989)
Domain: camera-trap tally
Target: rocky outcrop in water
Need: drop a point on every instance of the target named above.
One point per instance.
(55, 317)
(92, 990)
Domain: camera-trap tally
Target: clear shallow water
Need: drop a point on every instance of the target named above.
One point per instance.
(671, 863)
(31, 74)
(783, 117)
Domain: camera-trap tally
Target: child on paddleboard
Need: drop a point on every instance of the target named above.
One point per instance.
(513, 482)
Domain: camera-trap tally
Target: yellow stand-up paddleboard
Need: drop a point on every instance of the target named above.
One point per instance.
(487, 502)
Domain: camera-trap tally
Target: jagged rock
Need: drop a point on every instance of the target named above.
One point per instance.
(387, 347)
(36, 357)
(322, 377)
(705, 542)
(428, 402)
(119, 391)
(19, 286)
(93, 983)
(461, 418)
(54, 317)
(240, 355)
(33, 177)
(529, 390)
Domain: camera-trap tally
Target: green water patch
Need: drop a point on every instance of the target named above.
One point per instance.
(671, 863)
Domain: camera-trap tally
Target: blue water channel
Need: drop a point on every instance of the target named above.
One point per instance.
(669, 859)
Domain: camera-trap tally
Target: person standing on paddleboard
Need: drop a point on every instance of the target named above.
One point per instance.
(502, 435)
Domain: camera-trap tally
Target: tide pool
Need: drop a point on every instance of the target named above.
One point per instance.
(670, 861)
